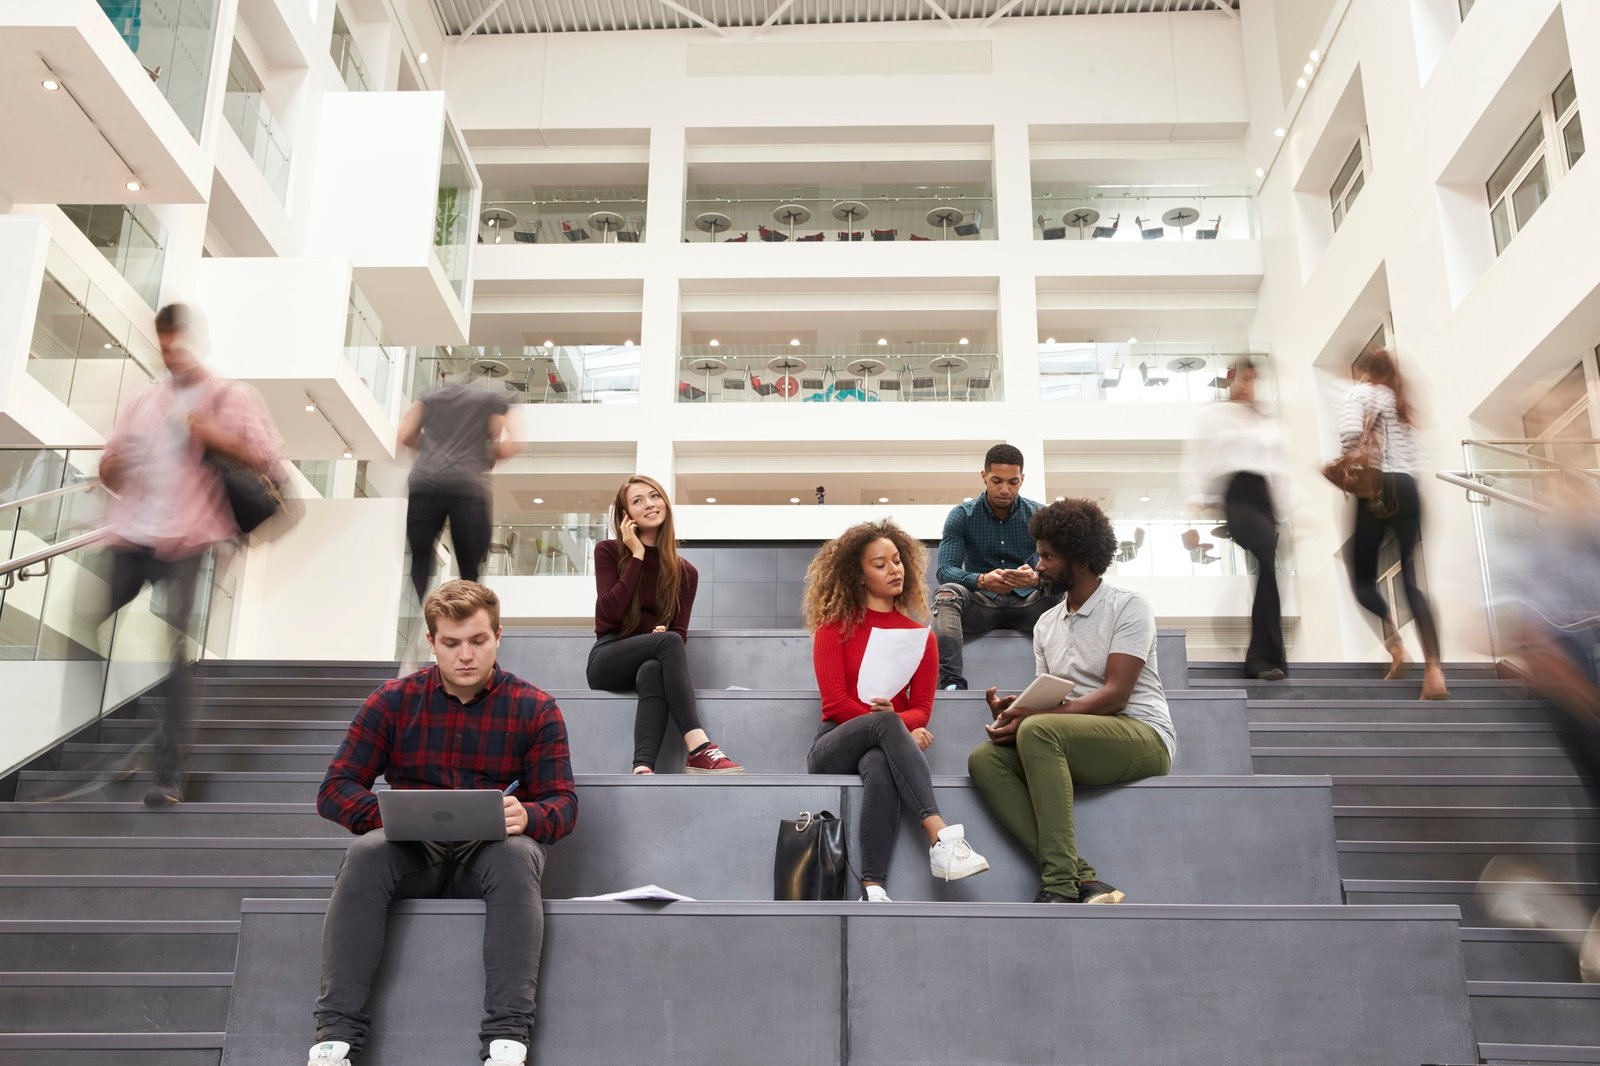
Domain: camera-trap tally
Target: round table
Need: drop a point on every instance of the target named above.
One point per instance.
(1182, 217)
(1080, 219)
(1187, 364)
(791, 215)
(497, 219)
(713, 223)
(607, 222)
(850, 211)
(945, 217)
(867, 368)
(490, 368)
(708, 365)
(949, 366)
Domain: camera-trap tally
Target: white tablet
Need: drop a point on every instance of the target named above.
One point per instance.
(1044, 692)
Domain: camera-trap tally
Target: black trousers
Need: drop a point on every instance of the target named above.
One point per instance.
(1406, 524)
(1253, 524)
(468, 512)
(656, 666)
(131, 569)
(893, 771)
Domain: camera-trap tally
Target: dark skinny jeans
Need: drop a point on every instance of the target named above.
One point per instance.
(656, 666)
(426, 512)
(1253, 524)
(893, 770)
(1401, 490)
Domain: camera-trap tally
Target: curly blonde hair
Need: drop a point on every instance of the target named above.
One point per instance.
(836, 589)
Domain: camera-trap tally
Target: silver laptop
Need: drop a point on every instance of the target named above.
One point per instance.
(443, 813)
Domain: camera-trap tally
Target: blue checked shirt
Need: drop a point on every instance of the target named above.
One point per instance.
(975, 542)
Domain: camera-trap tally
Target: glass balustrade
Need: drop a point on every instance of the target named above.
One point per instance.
(246, 112)
(84, 350)
(452, 223)
(739, 214)
(1142, 213)
(562, 373)
(527, 545)
(1157, 546)
(563, 216)
(1173, 372)
(860, 373)
(131, 238)
(368, 350)
(347, 57)
(172, 40)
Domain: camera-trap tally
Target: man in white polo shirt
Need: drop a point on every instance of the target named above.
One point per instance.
(1116, 728)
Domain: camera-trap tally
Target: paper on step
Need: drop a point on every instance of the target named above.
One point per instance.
(890, 661)
(644, 893)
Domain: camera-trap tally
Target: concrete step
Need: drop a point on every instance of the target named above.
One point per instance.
(1537, 1054)
(768, 732)
(179, 856)
(238, 758)
(1263, 712)
(114, 897)
(1244, 839)
(1380, 790)
(36, 786)
(1339, 688)
(1394, 976)
(1428, 860)
(1463, 894)
(52, 1001)
(284, 687)
(1469, 762)
(1518, 955)
(1400, 735)
(84, 945)
(1526, 1012)
(1373, 671)
(122, 1049)
(372, 670)
(1550, 824)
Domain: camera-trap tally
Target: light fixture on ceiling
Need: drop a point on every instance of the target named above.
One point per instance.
(963, 340)
(538, 499)
(51, 85)
(882, 341)
(348, 454)
(134, 185)
(549, 343)
(1133, 340)
(794, 342)
(422, 57)
(1315, 55)
(883, 499)
(711, 499)
(1309, 69)
(1279, 132)
(627, 344)
(1060, 499)
(966, 499)
(1144, 499)
(1300, 82)
(310, 406)
(108, 345)
(1049, 340)
(1260, 173)
(794, 499)
(713, 342)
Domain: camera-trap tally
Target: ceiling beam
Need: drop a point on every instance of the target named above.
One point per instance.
(694, 17)
(937, 10)
(1225, 7)
(776, 14)
(998, 15)
(494, 5)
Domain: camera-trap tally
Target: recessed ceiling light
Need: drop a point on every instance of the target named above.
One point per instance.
(882, 341)
(883, 499)
(713, 342)
(108, 346)
(422, 57)
(627, 344)
(1309, 69)
(1049, 340)
(310, 406)
(794, 499)
(133, 185)
(51, 84)
(1300, 82)
(1060, 498)
(1315, 55)
(538, 499)
(1144, 499)
(348, 454)
(794, 342)
(1133, 340)
(711, 499)
(549, 343)
(966, 499)
(1260, 173)
(1279, 132)
(963, 340)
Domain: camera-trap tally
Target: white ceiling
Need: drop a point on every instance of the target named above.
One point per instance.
(565, 16)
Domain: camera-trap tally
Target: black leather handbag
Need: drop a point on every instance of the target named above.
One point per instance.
(810, 862)
(252, 496)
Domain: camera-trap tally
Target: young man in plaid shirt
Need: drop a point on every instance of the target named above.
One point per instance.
(463, 723)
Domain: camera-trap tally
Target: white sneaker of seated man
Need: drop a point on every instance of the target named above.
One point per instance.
(501, 1053)
(952, 858)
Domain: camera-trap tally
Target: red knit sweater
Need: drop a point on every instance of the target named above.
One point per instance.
(838, 666)
(614, 590)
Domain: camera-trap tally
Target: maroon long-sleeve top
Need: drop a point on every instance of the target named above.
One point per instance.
(615, 584)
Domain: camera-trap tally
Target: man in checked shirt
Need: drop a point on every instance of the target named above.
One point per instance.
(463, 723)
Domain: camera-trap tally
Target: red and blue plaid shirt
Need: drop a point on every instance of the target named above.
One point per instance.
(417, 735)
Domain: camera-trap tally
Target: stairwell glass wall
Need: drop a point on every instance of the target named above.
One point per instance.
(130, 237)
(453, 224)
(173, 41)
(246, 112)
(347, 57)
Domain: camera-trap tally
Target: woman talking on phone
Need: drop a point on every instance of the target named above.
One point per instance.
(644, 597)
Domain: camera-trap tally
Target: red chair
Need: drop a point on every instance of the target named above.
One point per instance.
(884, 234)
(813, 237)
(740, 239)
(771, 235)
(851, 235)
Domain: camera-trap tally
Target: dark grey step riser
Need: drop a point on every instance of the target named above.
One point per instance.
(195, 790)
(1472, 912)
(377, 673)
(1536, 1020)
(1554, 764)
(114, 1009)
(1448, 866)
(285, 687)
(119, 952)
(178, 862)
(1557, 828)
(1425, 795)
(1531, 960)
(1589, 1056)
(122, 903)
(1333, 689)
(1212, 671)
(1353, 736)
(64, 1056)
(1366, 711)
(262, 760)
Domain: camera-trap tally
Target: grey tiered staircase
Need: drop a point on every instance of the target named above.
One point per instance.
(191, 935)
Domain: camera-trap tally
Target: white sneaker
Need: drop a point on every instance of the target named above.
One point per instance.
(1524, 896)
(952, 858)
(330, 1053)
(875, 894)
(506, 1053)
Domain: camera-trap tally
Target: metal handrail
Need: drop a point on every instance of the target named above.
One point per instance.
(65, 490)
(1496, 446)
(14, 570)
(1464, 480)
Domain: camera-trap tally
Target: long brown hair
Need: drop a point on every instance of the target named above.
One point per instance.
(670, 579)
(836, 589)
(1382, 369)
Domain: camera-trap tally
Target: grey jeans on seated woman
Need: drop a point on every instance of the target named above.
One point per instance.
(880, 748)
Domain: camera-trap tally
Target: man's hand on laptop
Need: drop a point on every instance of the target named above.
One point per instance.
(516, 816)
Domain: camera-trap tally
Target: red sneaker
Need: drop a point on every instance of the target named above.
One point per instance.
(711, 760)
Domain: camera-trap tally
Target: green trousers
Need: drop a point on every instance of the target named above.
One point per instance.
(1029, 786)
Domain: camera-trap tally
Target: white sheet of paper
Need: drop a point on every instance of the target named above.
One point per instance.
(644, 893)
(891, 658)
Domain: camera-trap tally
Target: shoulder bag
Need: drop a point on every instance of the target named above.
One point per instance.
(1358, 471)
(810, 862)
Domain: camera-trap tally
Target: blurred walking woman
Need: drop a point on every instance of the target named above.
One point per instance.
(1236, 468)
(644, 597)
(871, 578)
(1381, 397)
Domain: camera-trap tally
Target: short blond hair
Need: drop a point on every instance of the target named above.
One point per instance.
(459, 600)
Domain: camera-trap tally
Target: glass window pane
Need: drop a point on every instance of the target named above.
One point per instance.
(1355, 188)
(1565, 96)
(1515, 160)
(1338, 214)
(1351, 165)
(1533, 191)
(1572, 137)
(1500, 219)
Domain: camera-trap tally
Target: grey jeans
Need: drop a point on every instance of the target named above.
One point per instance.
(503, 873)
(879, 747)
(960, 612)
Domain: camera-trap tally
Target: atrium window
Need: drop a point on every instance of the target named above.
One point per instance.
(1351, 180)
(1466, 8)
(1523, 179)
(1569, 128)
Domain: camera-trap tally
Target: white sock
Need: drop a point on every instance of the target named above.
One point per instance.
(876, 894)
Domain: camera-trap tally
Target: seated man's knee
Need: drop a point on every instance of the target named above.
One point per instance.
(368, 853)
(950, 597)
(987, 758)
(519, 856)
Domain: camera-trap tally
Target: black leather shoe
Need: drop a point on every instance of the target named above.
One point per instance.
(1047, 896)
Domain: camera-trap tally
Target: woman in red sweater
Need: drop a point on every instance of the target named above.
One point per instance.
(644, 596)
(867, 580)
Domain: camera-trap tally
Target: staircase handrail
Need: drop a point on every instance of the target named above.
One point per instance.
(1503, 445)
(40, 497)
(14, 570)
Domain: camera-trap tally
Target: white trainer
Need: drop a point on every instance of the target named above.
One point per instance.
(952, 858)
(875, 894)
(506, 1053)
(330, 1053)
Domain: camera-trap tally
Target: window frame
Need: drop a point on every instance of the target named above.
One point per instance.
(1342, 199)
(1552, 131)
(1567, 117)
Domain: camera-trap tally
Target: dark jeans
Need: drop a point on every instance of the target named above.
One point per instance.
(503, 873)
(1579, 734)
(960, 612)
(468, 512)
(1406, 522)
(893, 770)
(656, 666)
(131, 569)
(1253, 524)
